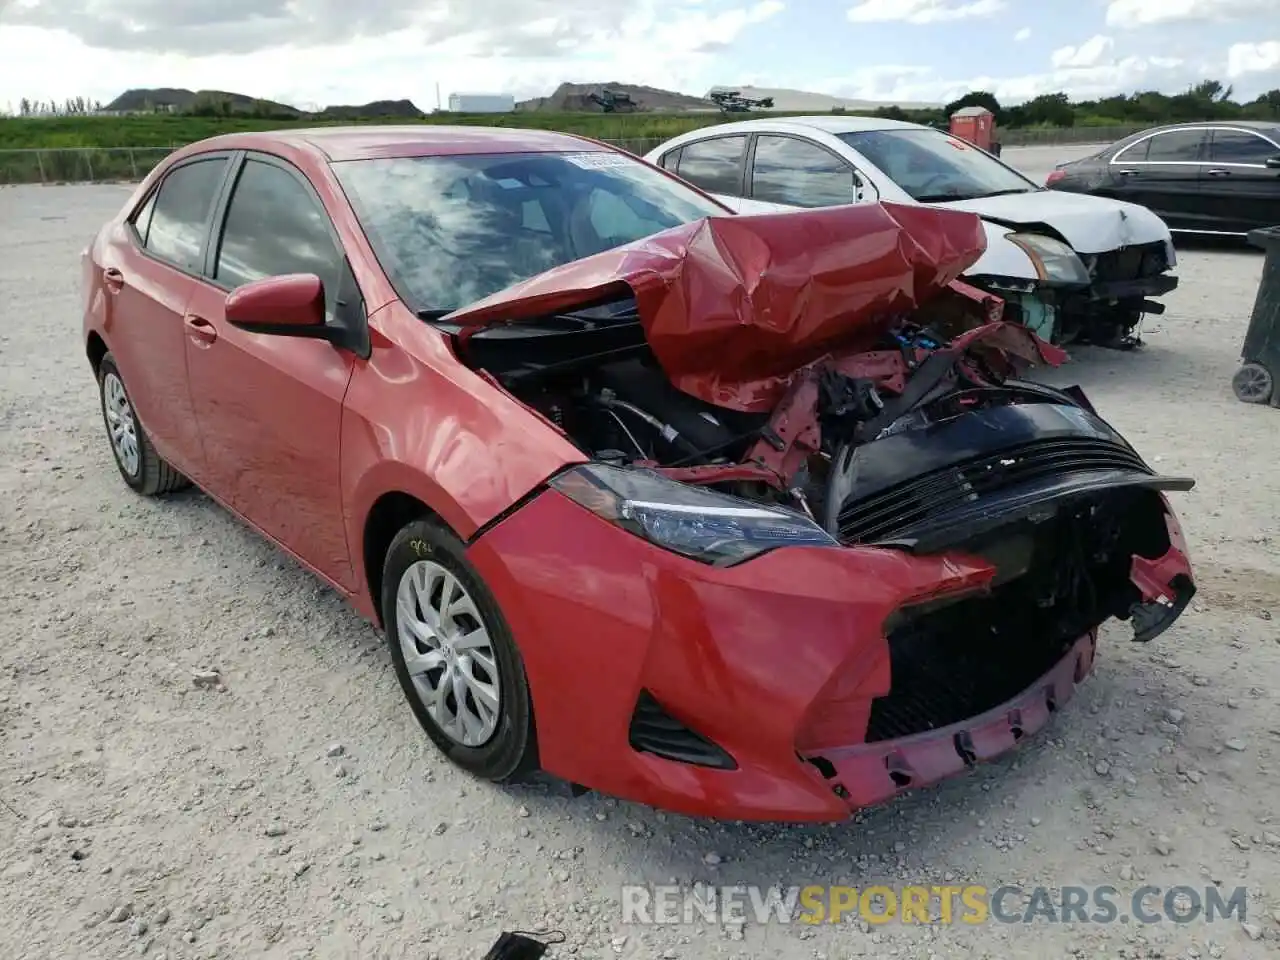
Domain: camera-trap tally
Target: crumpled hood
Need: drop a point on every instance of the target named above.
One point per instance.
(1090, 224)
(729, 302)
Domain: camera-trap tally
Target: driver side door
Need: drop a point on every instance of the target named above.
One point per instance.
(269, 407)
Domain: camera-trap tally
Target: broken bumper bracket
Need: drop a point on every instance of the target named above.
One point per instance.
(1166, 587)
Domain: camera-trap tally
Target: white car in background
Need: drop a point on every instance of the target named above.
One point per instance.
(1073, 268)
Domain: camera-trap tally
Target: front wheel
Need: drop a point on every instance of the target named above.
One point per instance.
(454, 655)
(141, 467)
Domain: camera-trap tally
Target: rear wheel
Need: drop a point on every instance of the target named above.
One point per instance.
(454, 655)
(142, 468)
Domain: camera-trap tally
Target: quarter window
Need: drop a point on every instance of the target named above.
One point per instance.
(275, 226)
(1177, 146)
(177, 224)
(715, 165)
(1239, 146)
(798, 173)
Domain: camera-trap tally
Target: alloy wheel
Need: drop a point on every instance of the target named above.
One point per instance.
(121, 424)
(448, 653)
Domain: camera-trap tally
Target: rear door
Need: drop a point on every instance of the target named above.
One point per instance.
(716, 164)
(1163, 173)
(1240, 189)
(793, 171)
(149, 271)
(270, 407)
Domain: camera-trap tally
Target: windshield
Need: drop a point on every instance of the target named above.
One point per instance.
(932, 166)
(452, 230)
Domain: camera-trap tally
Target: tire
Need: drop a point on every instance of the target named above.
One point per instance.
(495, 743)
(141, 467)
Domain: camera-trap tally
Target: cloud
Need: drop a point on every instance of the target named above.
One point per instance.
(514, 28)
(664, 44)
(1023, 34)
(1088, 54)
(1130, 14)
(1103, 79)
(923, 11)
(1245, 58)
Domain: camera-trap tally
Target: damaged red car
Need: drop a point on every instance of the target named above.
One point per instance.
(746, 516)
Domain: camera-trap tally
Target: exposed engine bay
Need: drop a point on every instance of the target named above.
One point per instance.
(924, 444)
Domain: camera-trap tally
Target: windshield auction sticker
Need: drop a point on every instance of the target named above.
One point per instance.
(597, 161)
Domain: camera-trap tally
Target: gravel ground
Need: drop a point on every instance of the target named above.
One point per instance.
(301, 813)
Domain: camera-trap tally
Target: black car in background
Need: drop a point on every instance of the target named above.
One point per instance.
(1217, 178)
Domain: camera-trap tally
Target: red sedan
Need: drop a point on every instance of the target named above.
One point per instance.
(748, 516)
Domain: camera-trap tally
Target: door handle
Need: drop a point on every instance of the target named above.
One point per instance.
(112, 279)
(1127, 173)
(200, 330)
(1219, 173)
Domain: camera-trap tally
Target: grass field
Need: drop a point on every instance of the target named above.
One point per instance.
(161, 130)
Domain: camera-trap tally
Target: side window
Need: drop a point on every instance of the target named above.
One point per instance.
(1176, 146)
(1133, 154)
(613, 220)
(177, 226)
(715, 165)
(670, 160)
(799, 173)
(275, 226)
(533, 217)
(1239, 146)
(142, 219)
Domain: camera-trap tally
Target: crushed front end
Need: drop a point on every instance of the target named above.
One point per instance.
(800, 593)
(1094, 298)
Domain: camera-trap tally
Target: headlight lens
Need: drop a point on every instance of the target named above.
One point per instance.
(692, 521)
(1055, 262)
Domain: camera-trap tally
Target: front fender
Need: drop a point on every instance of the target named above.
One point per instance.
(416, 421)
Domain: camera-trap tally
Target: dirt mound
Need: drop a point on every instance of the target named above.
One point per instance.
(577, 98)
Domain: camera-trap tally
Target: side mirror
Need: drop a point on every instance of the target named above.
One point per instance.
(1273, 163)
(291, 305)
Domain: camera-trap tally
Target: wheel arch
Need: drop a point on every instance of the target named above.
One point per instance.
(95, 349)
(390, 513)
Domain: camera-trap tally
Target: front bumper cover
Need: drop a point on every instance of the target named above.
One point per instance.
(753, 657)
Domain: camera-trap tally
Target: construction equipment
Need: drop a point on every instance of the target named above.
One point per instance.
(610, 101)
(732, 101)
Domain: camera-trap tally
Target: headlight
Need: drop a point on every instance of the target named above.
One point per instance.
(692, 521)
(1055, 262)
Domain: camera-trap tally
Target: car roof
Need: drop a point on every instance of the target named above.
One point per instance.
(1266, 126)
(833, 123)
(371, 141)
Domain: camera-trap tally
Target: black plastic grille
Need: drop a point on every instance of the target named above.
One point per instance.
(1131, 263)
(655, 731)
(884, 514)
(941, 677)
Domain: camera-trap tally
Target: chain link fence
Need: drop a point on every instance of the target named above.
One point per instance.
(80, 165)
(130, 164)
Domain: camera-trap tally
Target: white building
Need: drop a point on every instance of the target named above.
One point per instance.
(481, 103)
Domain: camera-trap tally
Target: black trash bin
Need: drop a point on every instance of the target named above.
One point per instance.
(1256, 380)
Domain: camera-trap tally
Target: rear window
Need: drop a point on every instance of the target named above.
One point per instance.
(452, 230)
(715, 165)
